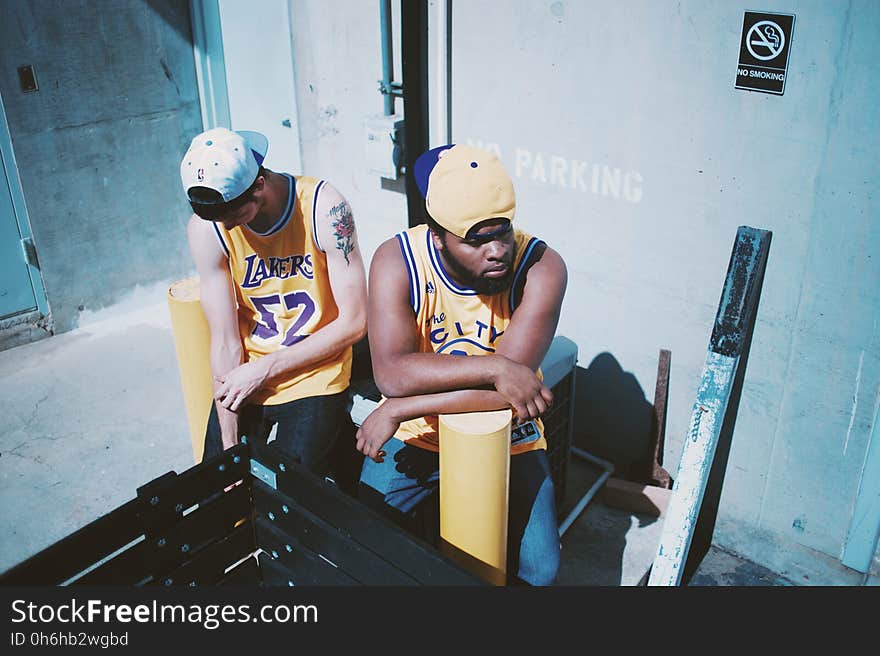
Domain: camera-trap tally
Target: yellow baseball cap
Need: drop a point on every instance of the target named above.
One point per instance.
(464, 186)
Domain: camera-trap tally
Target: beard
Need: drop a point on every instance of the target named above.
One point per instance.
(489, 286)
(484, 286)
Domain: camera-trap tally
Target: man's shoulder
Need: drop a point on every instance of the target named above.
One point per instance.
(323, 193)
(197, 227)
(389, 257)
(390, 248)
(403, 240)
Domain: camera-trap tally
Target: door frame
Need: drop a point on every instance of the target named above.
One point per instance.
(219, 79)
(210, 63)
(414, 19)
(19, 209)
(863, 534)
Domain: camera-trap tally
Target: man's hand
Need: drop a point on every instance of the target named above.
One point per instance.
(236, 386)
(522, 388)
(379, 427)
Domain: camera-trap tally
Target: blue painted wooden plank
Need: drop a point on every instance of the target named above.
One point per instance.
(691, 510)
(864, 527)
(693, 472)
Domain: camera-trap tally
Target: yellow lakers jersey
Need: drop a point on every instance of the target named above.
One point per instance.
(283, 292)
(457, 321)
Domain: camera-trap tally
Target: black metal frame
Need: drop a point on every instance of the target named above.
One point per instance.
(558, 433)
(414, 47)
(246, 517)
(251, 517)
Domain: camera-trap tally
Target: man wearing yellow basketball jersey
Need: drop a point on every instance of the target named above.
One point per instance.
(283, 288)
(465, 284)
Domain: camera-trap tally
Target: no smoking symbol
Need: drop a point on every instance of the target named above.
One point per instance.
(768, 38)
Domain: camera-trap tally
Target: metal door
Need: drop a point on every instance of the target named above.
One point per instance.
(16, 290)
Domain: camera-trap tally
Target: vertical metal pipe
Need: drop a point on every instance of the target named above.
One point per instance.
(864, 527)
(414, 44)
(387, 61)
(589, 494)
(439, 35)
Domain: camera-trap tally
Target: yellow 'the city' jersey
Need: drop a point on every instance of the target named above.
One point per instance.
(283, 292)
(457, 321)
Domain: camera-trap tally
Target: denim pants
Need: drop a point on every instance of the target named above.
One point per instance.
(409, 477)
(308, 428)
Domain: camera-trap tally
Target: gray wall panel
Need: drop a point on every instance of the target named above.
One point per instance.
(338, 62)
(98, 145)
(580, 98)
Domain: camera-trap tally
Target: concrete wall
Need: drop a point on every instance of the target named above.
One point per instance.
(636, 158)
(338, 62)
(98, 145)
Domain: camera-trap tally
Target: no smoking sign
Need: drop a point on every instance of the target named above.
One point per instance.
(763, 52)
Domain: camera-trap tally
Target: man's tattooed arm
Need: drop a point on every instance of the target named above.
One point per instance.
(343, 228)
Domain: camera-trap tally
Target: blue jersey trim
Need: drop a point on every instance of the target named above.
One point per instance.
(530, 249)
(441, 272)
(315, 216)
(464, 340)
(220, 238)
(285, 215)
(415, 296)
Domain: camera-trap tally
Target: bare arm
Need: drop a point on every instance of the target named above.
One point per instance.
(525, 344)
(337, 235)
(218, 303)
(383, 422)
(533, 325)
(401, 370)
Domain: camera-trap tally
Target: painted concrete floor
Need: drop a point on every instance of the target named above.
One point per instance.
(92, 414)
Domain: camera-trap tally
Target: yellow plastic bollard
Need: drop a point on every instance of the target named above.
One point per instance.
(474, 487)
(192, 341)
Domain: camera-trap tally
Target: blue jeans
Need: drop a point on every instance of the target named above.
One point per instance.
(409, 478)
(311, 431)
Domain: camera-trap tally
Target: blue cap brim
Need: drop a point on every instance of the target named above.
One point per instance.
(425, 164)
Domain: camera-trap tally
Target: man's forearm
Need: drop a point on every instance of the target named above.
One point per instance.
(319, 346)
(381, 425)
(411, 407)
(416, 374)
(225, 358)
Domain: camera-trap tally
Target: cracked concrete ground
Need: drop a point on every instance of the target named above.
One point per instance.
(88, 416)
(91, 415)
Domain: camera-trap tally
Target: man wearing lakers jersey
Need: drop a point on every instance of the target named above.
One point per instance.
(466, 284)
(283, 288)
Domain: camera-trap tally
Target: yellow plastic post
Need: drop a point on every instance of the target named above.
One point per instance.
(474, 487)
(192, 341)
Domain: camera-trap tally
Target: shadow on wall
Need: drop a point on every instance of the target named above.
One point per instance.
(612, 418)
(614, 421)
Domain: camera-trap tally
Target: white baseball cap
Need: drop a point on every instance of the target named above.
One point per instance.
(227, 162)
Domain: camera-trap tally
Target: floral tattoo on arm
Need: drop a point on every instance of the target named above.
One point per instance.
(343, 228)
